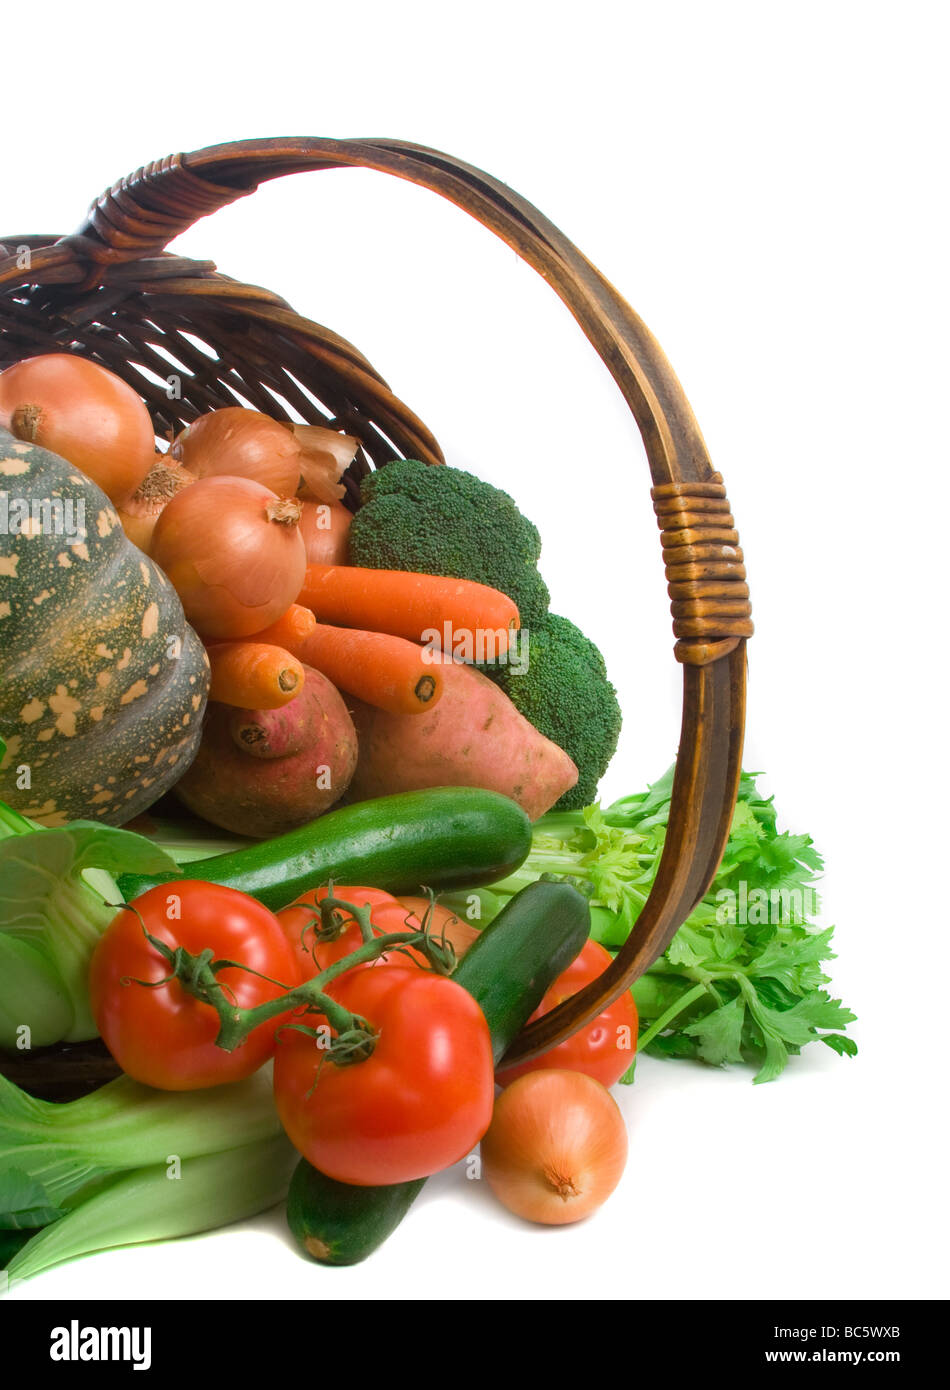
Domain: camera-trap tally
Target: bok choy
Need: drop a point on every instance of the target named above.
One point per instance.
(128, 1164)
(57, 896)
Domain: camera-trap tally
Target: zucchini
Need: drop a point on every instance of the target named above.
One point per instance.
(508, 971)
(444, 837)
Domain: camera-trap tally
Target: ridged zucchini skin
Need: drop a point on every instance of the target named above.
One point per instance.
(444, 837)
(103, 684)
(508, 970)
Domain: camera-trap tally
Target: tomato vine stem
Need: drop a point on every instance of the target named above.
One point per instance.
(355, 1036)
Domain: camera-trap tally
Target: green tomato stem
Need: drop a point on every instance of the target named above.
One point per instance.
(198, 976)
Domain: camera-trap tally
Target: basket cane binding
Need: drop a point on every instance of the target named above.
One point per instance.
(110, 291)
(704, 570)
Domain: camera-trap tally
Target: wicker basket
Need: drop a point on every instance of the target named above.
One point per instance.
(110, 292)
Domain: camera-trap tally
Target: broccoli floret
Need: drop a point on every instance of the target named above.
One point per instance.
(566, 695)
(441, 520)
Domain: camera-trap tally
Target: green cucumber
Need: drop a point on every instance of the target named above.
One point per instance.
(508, 970)
(444, 837)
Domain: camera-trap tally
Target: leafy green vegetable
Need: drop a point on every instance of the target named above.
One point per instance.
(124, 1125)
(742, 980)
(128, 1163)
(24, 1202)
(56, 888)
(25, 1207)
(146, 1204)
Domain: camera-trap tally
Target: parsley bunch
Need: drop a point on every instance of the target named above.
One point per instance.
(742, 980)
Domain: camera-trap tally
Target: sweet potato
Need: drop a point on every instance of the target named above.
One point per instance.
(270, 733)
(474, 737)
(263, 772)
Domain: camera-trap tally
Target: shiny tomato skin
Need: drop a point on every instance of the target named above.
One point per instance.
(458, 932)
(387, 915)
(419, 1103)
(163, 1036)
(598, 1048)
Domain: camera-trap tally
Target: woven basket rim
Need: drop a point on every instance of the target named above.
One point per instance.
(117, 261)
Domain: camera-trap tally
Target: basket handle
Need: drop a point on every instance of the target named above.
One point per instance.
(137, 218)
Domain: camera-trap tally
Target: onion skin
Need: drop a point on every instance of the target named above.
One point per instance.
(239, 443)
(324, 457)
(234, 552)
(138, 528)
(85, 414)
(556, 1147)
(141, 511)
(325, 527)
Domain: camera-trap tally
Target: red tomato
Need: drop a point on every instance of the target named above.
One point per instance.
(162, 1035)
(420, 1102)
(603, 1048)
(458, 933)
(387, 915)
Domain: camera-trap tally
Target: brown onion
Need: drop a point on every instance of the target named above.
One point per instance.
(141, 511)
(324, 457)
(325, 527)
(556, 1147)
(234, 552)
(84, 413)
(238, 443)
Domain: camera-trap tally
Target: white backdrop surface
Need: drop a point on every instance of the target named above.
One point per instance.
(767, 186)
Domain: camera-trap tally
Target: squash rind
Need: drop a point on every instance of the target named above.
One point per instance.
(103, 684)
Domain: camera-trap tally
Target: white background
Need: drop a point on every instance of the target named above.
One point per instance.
(766, 184)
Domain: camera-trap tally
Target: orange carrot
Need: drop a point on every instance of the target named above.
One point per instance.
(419, 607)
(385, 671)
(253, 675)
(298, 622)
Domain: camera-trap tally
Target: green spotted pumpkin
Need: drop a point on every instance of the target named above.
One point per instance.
(102, 682)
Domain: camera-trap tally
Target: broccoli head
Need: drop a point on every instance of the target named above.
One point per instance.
(565, 694)
(441, 520)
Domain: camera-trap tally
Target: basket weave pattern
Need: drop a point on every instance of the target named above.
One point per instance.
(112, 293)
